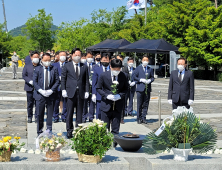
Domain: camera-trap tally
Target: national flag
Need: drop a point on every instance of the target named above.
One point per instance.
(135, 4)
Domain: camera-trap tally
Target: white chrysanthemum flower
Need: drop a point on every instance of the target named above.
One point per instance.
(52, 147)
(209, 152)
(37, 151)
(115, 82)
(217, 151)
(31, 151)
(59, 145)
(23, 150)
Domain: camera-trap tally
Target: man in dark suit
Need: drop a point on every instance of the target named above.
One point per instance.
(75, 86)
(129, 70)
(143, 76)
(28, 58)
(27, 75)
(112, 104)
(98, 59)
(46, 82)
(88, 102)
(181, 86)
(96, 97)
(62, 61)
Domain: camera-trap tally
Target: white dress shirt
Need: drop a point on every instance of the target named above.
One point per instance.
(77, 68)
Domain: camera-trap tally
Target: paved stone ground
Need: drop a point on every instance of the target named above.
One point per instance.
(208, 95)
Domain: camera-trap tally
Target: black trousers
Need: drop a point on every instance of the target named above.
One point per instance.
(143, 101)
(30, 104)
(180, 103)
(76, 102)
(115, 117)
(40, 105)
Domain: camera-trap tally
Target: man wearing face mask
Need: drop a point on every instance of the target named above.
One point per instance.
(98, 59)
(88, 102)
(143, 76)
(75, 86)
(181, 86)
(59, 65)
(129, 70)
(112, 104)
(83, 58)
(27, 75)
(28, 58)
(57, 59)
(15, 59)
(46, 82)
(96, 97)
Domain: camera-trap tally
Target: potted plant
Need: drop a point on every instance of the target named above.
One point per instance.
(182, 135)
(92, 141)
(7, 146)
(52, 145)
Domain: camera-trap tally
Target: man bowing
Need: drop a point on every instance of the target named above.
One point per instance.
(75, 86)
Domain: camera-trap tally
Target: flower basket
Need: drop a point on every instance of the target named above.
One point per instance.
(5, 156)
(89, 158)
(181, 154)
(53, 156)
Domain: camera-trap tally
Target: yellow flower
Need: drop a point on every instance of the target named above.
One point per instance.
(1, 141)
(50, 141)
(5, 139)
(17, 138)
(9, 137)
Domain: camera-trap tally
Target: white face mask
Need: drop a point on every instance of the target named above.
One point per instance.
(145, 63)
(180, 67)
(47, 63)
(14, 53)
(76, 59)
(115, 73)
(130, 64)
(83, 60)
(35, 60)
(89, 60)
(62, 58)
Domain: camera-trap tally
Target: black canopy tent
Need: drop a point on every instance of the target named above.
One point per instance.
(109, 45)
(159, 46)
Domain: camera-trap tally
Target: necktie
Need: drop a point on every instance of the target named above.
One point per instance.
(46, 79)
(77, 71)
(180, 76)
(114, 78)
(105, 69)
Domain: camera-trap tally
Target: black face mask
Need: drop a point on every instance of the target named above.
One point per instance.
(98, 59)
(105, 64)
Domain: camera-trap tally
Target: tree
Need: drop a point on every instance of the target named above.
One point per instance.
(38, 29)
(4, 41)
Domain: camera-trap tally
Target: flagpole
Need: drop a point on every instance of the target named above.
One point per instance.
(6, 30)
(145, 11)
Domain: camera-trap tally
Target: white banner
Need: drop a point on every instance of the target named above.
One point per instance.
(135, 4)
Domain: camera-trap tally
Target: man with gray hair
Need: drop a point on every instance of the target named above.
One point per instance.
(15, 59)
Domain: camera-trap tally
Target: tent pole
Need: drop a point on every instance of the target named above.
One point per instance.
(155, 76)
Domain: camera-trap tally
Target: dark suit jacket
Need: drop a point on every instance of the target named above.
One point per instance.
(27, 75)
(93, 66)
(69, 80)
(104, 89)
(38, 81)
(126, 71)
(181, 90)
(28, 60)
(57, 65)
(139, 74)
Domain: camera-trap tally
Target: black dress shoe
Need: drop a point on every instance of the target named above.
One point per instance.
(29, 120)
(139, 121)
(56, 121)
(144, 121)
(64, 120)
(90, 120)
(69, 135)
(115, 144)
(84, 121)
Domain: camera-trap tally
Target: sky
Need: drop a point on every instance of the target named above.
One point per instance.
(18, 11)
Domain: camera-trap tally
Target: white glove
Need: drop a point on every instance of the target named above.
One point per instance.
(170, 101)
(90, 82)
(31, 82)
(132, 84)
(94, 98)
(49, 92)
(60, 78)
(43, 92)
(117, 97)
(143, 80)
(86, 95)
(190, 102)
(64, 94)
(110, 97)
(148, 81)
